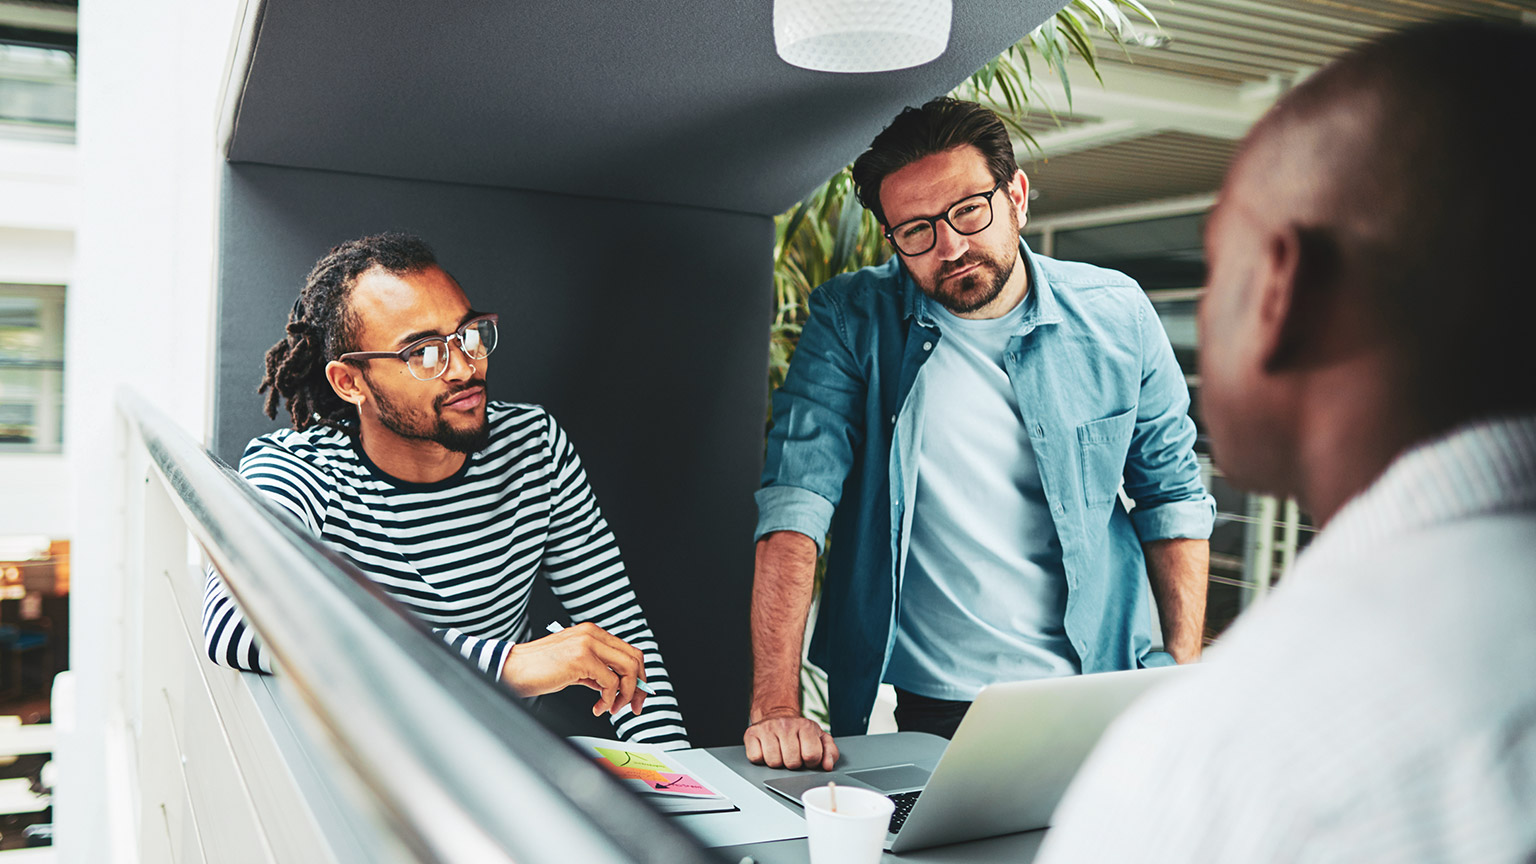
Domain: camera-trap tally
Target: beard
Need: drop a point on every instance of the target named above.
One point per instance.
(413, 427)
(974, 290)
(981, 286)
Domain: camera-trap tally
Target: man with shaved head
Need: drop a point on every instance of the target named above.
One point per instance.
(1366, 348)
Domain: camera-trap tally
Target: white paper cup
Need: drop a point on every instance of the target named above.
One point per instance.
(855, 834)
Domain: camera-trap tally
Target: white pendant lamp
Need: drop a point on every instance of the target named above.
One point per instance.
(860, 35)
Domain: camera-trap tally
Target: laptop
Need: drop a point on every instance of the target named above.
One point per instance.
(1008, 765)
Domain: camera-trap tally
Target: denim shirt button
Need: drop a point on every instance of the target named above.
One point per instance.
(927, 346)
(893, 418)
(1060, 509)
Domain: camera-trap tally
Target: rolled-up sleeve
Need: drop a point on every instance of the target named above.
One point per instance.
(816, 426)
(1162, 474)
(790, 508)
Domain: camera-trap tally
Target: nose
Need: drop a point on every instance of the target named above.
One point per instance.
(948, 243)
(460, 366)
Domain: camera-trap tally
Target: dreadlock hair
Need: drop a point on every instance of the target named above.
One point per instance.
(322, 327)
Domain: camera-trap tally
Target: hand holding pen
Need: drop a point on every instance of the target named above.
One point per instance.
(584, 654)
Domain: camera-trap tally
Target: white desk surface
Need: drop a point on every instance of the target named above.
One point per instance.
(860, 751)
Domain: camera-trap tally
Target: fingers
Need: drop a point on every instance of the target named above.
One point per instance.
(773, 754)
(829, 752)
(629, 665)
(612, 642)
(605, 682)
(584, 654)
(809, 735)
(625, 694)
(790, 742)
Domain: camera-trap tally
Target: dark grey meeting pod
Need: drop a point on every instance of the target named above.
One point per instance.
(604, 175)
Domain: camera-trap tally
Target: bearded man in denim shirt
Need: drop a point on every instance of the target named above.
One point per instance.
(962, 418)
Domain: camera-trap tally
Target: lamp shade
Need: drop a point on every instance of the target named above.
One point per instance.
(860, 35)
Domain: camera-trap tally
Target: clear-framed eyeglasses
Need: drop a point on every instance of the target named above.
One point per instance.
(427, 358)
(970, 215)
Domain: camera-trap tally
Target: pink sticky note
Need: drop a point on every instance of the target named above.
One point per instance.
(682, 783)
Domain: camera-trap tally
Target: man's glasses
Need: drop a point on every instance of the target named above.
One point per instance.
(970, 215)
(427, 358)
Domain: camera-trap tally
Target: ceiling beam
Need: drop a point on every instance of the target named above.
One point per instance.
(1085, 136)
(1155, 101)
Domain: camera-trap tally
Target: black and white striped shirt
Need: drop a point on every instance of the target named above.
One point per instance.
(461, 553)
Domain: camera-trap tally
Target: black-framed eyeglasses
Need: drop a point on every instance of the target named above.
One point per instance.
(427, 357)
(970, 215)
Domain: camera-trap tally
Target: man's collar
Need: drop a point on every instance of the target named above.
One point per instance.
(1040, 301)
(1483, 467)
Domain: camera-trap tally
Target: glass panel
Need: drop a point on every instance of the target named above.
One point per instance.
(31, 368)
(1158, 253)
(37, 92)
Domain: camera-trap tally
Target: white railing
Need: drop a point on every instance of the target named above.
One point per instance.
(372, 743)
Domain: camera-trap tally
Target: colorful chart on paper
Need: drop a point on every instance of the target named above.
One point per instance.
(651, 771)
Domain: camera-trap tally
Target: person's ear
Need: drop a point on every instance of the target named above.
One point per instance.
(1018, 193)
(1299, 270)
(347, 381)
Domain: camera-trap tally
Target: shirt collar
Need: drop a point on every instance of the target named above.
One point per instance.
(1040, 303)
(1481, 468)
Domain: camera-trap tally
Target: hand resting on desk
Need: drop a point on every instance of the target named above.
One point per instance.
(584, 654)
(785, 739)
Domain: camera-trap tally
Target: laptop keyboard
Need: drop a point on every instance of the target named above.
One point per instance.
(904, 802)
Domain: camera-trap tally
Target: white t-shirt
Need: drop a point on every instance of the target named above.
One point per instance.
(984, 593)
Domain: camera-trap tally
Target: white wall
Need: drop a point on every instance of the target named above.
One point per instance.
(39, 496)
(37, 186)
(139, 314)
(36, 256)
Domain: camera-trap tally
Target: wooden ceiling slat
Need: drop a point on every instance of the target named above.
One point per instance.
(1231, 43)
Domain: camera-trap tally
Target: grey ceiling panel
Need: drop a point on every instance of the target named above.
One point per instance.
(681, 102)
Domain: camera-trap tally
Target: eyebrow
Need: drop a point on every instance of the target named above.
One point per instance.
(952, 204)
(423, 334)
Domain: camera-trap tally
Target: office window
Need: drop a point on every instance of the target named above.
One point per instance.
(37, 92)
(31, 368)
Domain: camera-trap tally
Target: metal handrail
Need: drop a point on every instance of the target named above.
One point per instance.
(449, 764)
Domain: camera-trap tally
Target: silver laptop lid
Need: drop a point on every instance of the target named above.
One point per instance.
(1015, 752)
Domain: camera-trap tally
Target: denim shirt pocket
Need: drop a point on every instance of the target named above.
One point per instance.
(1103, 445)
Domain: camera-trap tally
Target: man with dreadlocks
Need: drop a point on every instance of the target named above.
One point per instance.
(451, 503)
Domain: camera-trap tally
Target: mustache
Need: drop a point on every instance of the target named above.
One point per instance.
(958, 265)
(444, 397)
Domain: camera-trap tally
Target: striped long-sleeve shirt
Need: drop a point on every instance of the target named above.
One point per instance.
(461, 553)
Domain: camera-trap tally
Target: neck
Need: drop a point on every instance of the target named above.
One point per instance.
(1351, 430)
(409, 459)
(1013, 293)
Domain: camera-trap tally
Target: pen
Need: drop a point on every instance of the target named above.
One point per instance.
(556, 627)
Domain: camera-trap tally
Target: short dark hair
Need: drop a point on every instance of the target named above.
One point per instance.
(941, 124)
(1430, 205)
(322, 326)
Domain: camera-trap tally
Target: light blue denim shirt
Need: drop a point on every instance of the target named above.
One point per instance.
(1102, 400)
